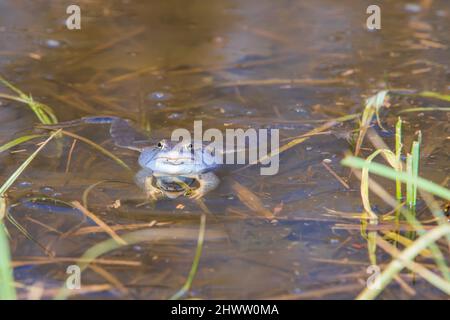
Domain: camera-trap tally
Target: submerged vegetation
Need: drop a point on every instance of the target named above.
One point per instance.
(408, 185)
(44, 113)
(404, 204)
(7, 290)
(363, 185)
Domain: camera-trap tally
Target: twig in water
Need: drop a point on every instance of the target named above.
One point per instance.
(69, 157)
(99, 222)
(334, 174)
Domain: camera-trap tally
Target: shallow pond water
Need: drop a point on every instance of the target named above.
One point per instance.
(287, 65)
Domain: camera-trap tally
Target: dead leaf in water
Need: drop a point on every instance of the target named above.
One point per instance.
(251, 200)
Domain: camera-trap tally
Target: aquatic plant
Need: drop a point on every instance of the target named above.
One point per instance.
(410, 177)
(7, 289)
(44, 113)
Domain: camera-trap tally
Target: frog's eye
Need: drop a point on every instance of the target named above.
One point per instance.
(189, 147)
(161, 144)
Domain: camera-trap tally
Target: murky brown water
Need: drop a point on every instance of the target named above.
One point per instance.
(166, 64)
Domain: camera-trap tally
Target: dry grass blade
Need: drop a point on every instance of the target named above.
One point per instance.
(151, 234)
(39, 260)
(128, 227)
(88, 190)
(373, 105)
(107, 45)
(25, 232)
(406, 242)
(110, 278)
(271, 82)
(69, 157)
(2, 209)
(391, 158)
(334, 174)
(98, 147)
(413, 266)
(303, 138)
(99, 222)
(405, 258)
(318, 293)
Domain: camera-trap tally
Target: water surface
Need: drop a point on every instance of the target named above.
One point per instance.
(233, 64)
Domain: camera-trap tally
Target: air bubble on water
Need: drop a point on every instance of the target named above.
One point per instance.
(334, 241)
(24, 184)
(300, 110)
(160, 96)
(412, 7)
(160, 105)
(52, 43)
(47, 189)
(175, 115)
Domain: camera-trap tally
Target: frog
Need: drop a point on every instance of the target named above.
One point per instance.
(169, 169)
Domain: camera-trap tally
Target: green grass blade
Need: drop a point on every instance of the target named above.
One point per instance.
(7, 289)
(18, 141)
(415, 152)
(389, 173)
(435, 95)
(187, 286)
(43, 112)
(409, 183)
(25, 164)
(6, 273)
(398, 156)
(11, 86)
(424, 109)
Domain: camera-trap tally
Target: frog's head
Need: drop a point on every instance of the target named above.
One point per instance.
(177, 158)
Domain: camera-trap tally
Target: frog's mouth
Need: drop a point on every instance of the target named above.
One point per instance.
(176, 161)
